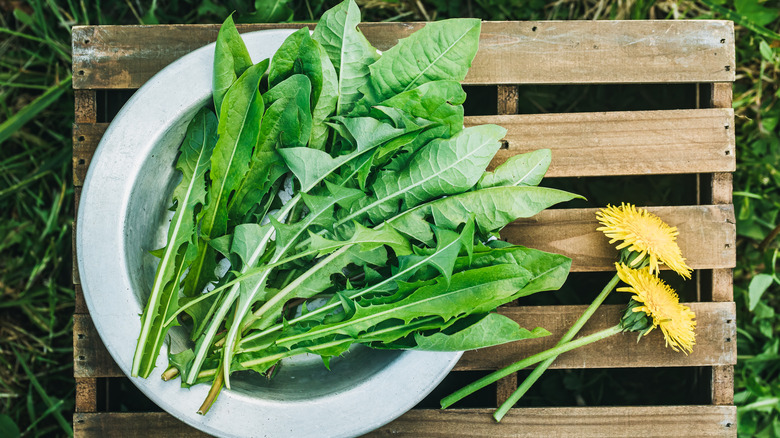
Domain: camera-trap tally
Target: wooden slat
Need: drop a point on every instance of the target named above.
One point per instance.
(86, 394)
(85, 106)
(584, 144)
(132, 425)
(644, 421)
(707, 235)
(621, 351)
(507, 100)
(722, 384)
(85, 141)
(622, 143)
(90, 357)
(74, 229)
(510, 52)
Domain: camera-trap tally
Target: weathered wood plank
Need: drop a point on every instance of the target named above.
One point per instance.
(74, 275)
(622, 143)
(645, 421)
(85, 106)
(508, 99)
(90, 357)
(86, 138)
(583, 144)
(86, 394)
(543, 52)
(707, 235)
(621, 351)
(505, 388)
(132, 425)
(722, 385)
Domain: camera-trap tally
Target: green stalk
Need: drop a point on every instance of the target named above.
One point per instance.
(354, 295)
(204, 344)
(531, 360)
(542, 367)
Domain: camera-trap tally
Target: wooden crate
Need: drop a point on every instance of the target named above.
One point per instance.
(697, 141)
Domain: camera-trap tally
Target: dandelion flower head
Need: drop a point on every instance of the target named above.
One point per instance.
(644, 233)
(661, 303)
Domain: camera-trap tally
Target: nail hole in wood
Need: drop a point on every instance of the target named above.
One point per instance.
(728, 68)
(533, 29)
(81, 335)
(723, 40)
(728, 339)
(81, 72)
(728, 424)
(80, 421)
(81, 138)
(728, 152)
(728, 321)
(82, 358)
(726, 126)
(81, 161)
(86, 41)
(504, 144)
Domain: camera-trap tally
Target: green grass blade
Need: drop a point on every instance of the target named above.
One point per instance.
(31, 110)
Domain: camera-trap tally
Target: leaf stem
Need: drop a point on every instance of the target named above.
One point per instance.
(216, 388)
(542, 367)
(536, 358)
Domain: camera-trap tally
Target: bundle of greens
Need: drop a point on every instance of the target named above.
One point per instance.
(336, 173)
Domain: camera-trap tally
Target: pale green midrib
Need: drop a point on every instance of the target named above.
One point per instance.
(334, 343)
(413, 186)
(392, 308)
(159, 339)
(200, 353)
(342, 38)
(244, 305)
(362, 292)
(452, 46)
(154, 297)
(230, 165)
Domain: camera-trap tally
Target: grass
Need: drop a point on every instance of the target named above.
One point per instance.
(36, 195)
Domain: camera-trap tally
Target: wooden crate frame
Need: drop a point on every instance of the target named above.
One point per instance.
(693, 141)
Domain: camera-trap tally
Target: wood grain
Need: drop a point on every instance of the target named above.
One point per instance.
(722, 385)
(86, 138)
(622, 143)
(505, 387)
(582, 144)
(707, 235)
(132, 425)
(645, 421)
(86, 394)
(85, 106)
(508, 99)
(581, 422)
(90, 357)
(620, 351)
(544, 52)
(715, 340)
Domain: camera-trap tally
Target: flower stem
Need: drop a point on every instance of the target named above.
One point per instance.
(542, 367)
(536, 358)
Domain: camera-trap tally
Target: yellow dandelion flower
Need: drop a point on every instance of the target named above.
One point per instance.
(644, 233)
(662, 304)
